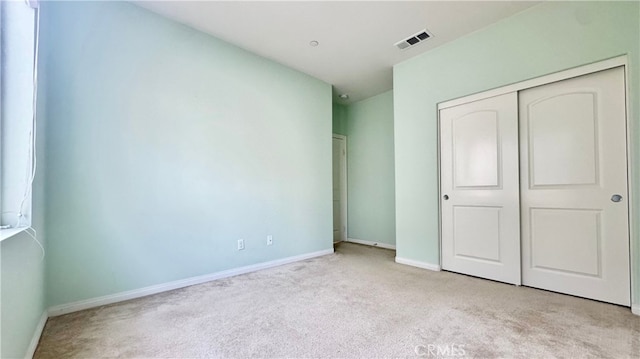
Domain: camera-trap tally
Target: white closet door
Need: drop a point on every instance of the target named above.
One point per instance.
(575, 232)
(339, 188)
(479, 189)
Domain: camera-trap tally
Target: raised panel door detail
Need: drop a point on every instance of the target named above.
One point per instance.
(563, 132)
(479, 176)
(475, 148)
(573, 155)
(566, 240)
(476, 232)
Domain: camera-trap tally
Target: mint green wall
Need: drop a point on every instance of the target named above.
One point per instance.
(370, 174)
(547, 38)
(339, 119)
(22, 268)
(169, 146)
(23, 298)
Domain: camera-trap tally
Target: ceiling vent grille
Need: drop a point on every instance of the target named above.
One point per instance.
(413, 39)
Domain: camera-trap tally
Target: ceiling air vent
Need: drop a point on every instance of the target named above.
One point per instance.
(413, 39)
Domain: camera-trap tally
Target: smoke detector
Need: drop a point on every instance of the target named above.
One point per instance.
(413, 39)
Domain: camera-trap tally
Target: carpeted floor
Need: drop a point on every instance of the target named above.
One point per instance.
(355, 303)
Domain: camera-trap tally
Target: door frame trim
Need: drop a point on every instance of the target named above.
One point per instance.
(345, 196)
(623, 60)
(539, 81)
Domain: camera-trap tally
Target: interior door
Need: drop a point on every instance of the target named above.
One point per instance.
(479, 189)
(575, 232)
(339, 188)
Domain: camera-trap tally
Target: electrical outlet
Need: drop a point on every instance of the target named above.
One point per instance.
(269, 240)
(240, 244)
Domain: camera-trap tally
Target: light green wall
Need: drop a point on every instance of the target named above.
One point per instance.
(169, 146)
(22, 268)
(370, 174)
(547, 38)
(23, 298)
(339, 119)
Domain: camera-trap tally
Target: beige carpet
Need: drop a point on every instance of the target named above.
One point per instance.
(356, 303)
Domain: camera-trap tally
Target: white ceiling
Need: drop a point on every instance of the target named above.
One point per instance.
(356, 51)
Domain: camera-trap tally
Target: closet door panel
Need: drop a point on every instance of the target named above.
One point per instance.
(575, 235)
(479, 188)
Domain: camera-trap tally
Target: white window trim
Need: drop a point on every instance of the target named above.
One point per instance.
(19, 164)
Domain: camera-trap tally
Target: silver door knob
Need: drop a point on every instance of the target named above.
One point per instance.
(616, 198)
(446, 197)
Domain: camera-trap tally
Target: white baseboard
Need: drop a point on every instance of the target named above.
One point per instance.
(154, 289)
(635, 309)
(414, 263)
(37, 333)
(370, 243)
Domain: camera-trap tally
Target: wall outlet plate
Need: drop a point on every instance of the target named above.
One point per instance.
(269, 240)
(240, 244)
